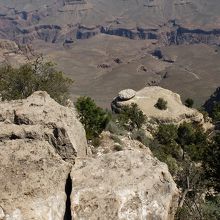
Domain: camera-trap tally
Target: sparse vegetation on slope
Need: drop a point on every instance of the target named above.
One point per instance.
(92, 117)
(19, 83)
(189, 103)
(161, 104)
(131, 117)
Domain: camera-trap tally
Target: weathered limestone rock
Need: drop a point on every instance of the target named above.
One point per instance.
(112, 143)
(2, 214)
(176, 112)
(126, 94)
(40, 117)
(125, 185)
(32, 180)
(39, 139)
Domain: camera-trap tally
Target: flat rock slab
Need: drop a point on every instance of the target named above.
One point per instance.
(126, 94)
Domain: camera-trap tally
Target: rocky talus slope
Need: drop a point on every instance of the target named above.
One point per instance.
(47, 172)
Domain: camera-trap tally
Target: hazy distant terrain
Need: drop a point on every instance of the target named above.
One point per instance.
(107, 45)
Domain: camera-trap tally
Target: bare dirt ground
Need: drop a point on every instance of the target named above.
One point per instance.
(103, 65)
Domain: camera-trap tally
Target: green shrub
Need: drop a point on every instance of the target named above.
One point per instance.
(118, 147)
(161, 104)
(182, 213)
(116, 139)
(211, 160)
(215, 114)
(115, 128)
(141, 136)
(186, 134)
(172, 165)
(211, 209)
(158, 150)
(91, 116)
(19, 83)
(131, 117)
(189, 103)
(167, 133)
(96, 141)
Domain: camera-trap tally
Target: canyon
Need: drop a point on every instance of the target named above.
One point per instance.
(107, 46)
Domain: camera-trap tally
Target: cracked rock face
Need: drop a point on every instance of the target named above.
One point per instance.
(32, 181)
(126, 185)
(39, 139)
(41, 118)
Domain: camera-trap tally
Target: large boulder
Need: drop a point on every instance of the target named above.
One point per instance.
(39, 141)
(126, 94)
(123, 185)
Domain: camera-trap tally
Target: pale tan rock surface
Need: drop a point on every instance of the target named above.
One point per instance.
(126, 94)
(39, 116)
(176, 112)
(39, 141)
(32, 181)
(42, 142)
(125, 185)
(112, 143)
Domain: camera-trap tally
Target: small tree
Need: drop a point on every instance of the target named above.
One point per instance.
(161, 104)
(91, 116)
(19, 83)
(212, 161)
(186, 136)
(167, 134)
(215, 114)
(131, 117)
(189, 103)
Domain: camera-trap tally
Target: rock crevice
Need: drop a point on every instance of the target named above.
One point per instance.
(68, 190)
(39, 141)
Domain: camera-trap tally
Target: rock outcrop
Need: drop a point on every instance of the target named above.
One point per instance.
(37, 137)
(46, 173)
(32, 181)
(40, 117)
(146, 99)
(125, 185)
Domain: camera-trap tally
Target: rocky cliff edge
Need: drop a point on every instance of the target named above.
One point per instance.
(46, 173)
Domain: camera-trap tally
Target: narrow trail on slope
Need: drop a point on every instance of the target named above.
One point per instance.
(189, 71)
